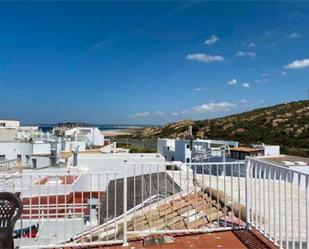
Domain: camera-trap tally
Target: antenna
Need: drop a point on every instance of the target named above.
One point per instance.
(75, 152)
(190, 135)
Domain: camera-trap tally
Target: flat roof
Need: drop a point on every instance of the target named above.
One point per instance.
(286, 160)
(7, 119)
(119, 155)
(246, 149)
(65, 155)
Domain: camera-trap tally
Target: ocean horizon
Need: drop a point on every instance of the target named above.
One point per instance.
(102, 127)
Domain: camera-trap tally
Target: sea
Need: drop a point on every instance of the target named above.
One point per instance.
(102, 127)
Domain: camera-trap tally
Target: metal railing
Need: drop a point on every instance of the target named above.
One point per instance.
(208, 200)
(57, 206)
(278, 203)
(8, 164)
(169, 198)
(101, 208)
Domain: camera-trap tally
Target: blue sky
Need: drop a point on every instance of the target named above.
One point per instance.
(149, 62)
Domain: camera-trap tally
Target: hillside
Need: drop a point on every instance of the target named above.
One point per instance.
(285, 124)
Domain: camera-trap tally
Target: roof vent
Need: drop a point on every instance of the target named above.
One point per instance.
(288, 163)
(301, 163)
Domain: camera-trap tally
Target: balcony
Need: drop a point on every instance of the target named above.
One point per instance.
(116, 208)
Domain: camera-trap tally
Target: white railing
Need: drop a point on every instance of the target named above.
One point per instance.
(8, 164)
(177, 198)
(201, 197)
(100, 208)
(57, 206)
(277, 203)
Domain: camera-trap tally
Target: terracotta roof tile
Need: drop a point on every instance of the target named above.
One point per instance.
(191, 211)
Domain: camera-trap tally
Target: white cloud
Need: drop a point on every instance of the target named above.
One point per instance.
(264, 80)
(294, 36)
(210, 107)
(261, 101)
(141, 114)
(205, 57)
(245, 85)
(264, 75)
(240, 53)
(251, 45)
(148, 114)
(232, 82)
(212, 40)
(245, 53)
(158, 113)
(243, 101)
(298, 64)
(199, 89)
(175, 113)
(283, 73)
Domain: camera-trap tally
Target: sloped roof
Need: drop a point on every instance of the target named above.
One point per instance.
(140, 188)
(181, 211)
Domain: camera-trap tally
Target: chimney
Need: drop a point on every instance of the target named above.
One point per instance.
(75, 158)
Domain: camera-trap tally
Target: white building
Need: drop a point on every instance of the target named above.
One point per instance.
(296, 163)
(92, 135)
(8, 134)
(67, 145)
(166, 148)
(5, 123)
(30, 154)
(271, 150)
(8, 129)
(179, 149)
(182, 151)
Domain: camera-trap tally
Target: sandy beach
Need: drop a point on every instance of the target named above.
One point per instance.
(113, 133)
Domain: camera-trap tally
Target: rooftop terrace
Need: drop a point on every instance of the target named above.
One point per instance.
(196, 201)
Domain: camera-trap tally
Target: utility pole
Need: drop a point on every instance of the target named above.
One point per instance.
(191, 157)
(20, 166)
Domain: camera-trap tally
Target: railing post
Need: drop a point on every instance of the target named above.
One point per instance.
(125, 222)
(247, 170)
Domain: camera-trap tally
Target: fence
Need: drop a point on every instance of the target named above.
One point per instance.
(188, 198)
(57, 206)
(109, 207)
(8, 164)
(277, 200)
(144, 143)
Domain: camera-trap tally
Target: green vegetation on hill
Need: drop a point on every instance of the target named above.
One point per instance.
(285, 124)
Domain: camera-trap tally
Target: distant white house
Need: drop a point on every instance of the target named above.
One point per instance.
(180, 149)
(30, 154)
(8, 129)
(121, 164)
(296, 163)
(92, 135)
(5, 123)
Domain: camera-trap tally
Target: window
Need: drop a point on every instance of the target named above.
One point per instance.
(2, 157)
(188, 160)
(188, 146)
(27, 158)
(34, 163)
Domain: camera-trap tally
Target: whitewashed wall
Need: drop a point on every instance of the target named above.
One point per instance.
(41, 148)
(12, 149)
